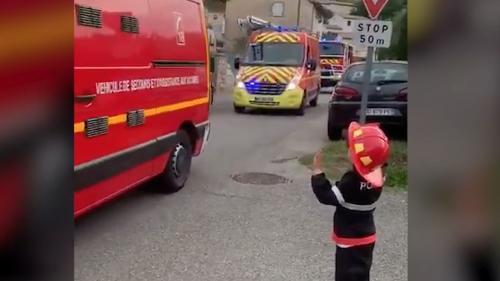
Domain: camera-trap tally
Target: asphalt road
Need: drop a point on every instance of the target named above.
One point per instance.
(218, 229)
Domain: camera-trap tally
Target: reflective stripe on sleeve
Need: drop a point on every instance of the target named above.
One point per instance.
(350, 206)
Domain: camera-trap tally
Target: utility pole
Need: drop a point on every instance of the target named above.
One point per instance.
(298, 15)
(374, 8)
(366, 85)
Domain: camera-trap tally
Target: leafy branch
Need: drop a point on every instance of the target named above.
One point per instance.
(322, 14)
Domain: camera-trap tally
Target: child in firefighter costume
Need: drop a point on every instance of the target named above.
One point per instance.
(354, 196)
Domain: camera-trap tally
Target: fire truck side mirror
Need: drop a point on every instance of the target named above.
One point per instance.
(237, 63)
(311, 64)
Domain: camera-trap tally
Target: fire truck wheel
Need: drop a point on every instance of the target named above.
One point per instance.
(179, 165)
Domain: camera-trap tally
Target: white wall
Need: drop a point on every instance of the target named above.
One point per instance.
(339, 24)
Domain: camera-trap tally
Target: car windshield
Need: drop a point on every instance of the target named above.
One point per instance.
(331, 49)
(382, 73)
(277, 54)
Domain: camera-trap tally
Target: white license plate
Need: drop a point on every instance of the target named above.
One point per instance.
(380, 112)
(264, 99)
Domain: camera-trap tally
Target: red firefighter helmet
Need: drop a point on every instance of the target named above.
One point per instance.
(369, 151)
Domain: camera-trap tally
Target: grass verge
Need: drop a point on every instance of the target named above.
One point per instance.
(336, 162)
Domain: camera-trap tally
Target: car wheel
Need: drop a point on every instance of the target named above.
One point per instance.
(178, 166)
(239, 109)
(334, 133)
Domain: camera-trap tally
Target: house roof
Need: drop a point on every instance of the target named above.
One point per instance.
(338, 2)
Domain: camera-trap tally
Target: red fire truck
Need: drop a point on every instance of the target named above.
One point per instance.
(335, 57)
(141, 95)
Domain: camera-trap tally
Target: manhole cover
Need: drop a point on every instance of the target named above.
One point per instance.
(259, 178)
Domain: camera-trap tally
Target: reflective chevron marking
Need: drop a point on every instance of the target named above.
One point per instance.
(330, 61)
(270, 74)
(282, 37)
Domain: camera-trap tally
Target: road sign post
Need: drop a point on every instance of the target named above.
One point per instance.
(366, 85)
(371, 34)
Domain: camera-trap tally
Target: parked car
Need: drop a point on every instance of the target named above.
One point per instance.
(387, 96)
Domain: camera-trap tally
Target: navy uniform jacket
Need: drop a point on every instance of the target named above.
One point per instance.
(355, 200)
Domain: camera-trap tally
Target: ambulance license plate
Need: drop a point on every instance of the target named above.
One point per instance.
(264, 99)
(380, 112)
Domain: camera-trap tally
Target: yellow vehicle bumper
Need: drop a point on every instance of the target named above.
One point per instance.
(289, 99)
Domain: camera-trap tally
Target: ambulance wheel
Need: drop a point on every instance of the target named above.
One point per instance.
(302, 108)
(178, 166)
(239, 109)
(314, 102)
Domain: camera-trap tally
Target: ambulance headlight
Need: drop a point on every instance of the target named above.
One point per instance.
(240, 85)
(291, 86)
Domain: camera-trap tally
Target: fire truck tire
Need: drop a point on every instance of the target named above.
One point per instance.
(178, 166)
(239, 109)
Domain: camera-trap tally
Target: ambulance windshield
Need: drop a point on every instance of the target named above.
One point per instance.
(331, 49)
(275, 54)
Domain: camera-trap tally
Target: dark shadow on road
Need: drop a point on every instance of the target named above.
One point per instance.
(273, 112)
(124, 203)
(284, 112)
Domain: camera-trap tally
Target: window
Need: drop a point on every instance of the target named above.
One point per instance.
(381, 73)
(278, 9)
(331, 48)
(275, 54)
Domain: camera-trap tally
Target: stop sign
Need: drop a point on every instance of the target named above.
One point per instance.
(374, 7)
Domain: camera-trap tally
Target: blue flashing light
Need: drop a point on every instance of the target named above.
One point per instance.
(280, 28)
(252, 85)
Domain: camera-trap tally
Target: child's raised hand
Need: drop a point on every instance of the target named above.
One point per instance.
(317, 163)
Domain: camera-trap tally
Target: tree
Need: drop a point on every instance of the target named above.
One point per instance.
(396, 11)
(399, 44)
(322, 14)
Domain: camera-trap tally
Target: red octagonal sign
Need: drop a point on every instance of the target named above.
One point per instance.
(374, 7)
